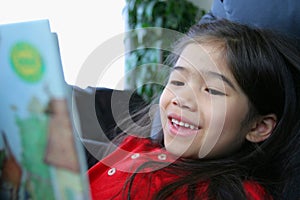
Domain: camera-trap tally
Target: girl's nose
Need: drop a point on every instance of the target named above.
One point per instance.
(185, 102)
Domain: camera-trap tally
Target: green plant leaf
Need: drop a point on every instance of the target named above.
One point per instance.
(149, 10)
(178, 15)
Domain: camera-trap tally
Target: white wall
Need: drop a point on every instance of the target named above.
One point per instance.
(81, 27)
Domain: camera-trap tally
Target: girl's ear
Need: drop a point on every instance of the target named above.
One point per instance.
(262, 128)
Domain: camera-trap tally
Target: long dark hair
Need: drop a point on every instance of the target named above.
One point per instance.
(266, 67)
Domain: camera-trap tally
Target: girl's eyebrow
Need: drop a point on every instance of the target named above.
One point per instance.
(179, 68)
(210, 73)
(223, 78)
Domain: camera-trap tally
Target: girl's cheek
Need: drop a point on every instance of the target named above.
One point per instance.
(165, 97)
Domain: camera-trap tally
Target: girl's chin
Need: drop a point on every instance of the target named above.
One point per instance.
(177, 146)
(175, 151)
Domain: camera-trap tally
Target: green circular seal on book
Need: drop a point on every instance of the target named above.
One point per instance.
(27, 62)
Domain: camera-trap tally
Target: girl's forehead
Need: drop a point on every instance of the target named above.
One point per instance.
(202, 57)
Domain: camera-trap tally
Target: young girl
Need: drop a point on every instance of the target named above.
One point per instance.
(230, 122)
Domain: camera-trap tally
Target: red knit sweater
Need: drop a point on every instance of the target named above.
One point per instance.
(108, 177)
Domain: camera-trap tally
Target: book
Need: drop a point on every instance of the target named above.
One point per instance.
(41, 156)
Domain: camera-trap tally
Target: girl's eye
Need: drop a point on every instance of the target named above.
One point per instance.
(177, 83)
(214, 92)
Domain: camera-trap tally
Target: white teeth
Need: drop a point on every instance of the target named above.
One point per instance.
(186, 125)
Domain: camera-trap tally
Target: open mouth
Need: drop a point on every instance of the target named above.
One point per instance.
(183, 124)
(182, 128)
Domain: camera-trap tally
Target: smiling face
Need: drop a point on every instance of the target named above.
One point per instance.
(202, 107)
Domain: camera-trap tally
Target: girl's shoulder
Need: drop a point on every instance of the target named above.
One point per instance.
(132, 152)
